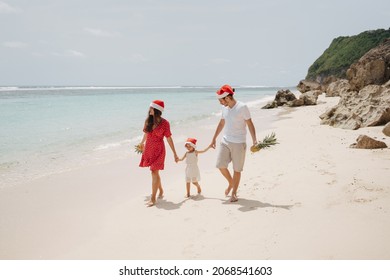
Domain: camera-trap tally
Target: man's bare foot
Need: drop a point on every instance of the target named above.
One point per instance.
(227, 191)
(233, 198)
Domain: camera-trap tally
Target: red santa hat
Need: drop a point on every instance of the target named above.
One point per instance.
(191, 142)
(158, 104)
(224, 91)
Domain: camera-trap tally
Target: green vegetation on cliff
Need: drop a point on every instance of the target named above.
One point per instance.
(343, 52)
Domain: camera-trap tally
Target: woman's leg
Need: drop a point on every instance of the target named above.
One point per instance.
(160, 191)
(156, 183)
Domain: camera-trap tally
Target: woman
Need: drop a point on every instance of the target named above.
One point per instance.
(153, 156)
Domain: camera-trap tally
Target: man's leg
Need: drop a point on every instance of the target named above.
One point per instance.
(238, 159)
(236, 183)
(225, 172)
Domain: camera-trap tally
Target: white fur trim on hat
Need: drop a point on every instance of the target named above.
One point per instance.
(191, 144)
(222, 95)
(156, 106)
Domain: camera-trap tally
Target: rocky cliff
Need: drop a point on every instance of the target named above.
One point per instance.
(365, 96)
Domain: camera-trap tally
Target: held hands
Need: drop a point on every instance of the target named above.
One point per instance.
(212, 145)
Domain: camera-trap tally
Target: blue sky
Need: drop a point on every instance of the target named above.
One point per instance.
(173, 42)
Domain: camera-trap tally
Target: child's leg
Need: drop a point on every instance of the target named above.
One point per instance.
(188, 186)
(198, 187)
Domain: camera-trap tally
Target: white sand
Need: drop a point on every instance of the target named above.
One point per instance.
(310, 197)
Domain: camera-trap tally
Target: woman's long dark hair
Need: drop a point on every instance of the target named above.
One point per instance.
(152, 120)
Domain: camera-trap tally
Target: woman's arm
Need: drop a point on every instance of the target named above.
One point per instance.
(172, 145)
(142, 143)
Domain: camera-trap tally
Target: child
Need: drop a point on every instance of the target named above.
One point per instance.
(192, 169)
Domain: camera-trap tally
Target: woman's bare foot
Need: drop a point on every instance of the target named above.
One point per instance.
(187, 195)
(227, 191)
(150, 204)
(199, 190)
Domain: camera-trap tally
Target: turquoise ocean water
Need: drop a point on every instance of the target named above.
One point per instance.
(45, 130)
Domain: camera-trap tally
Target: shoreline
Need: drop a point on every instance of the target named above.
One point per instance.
(310, 197)
(58, 145)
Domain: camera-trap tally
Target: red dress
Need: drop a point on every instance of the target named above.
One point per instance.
(154, 150)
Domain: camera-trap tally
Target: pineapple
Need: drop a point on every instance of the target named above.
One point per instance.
(139, 149)
(267, 142)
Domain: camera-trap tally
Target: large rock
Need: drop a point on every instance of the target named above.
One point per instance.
(287, 98)
(326, 81)
(365, 142)
(283, 97)
(310, 97)
(337, 88)
(305, 85)
(368, 107)
(371, 68)
(386, 129)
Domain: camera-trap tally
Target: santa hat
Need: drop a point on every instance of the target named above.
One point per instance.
(158, 104)
(191, 142)
(224, 91)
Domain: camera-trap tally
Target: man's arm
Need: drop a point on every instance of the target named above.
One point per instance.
(220, 126)
(252, 130)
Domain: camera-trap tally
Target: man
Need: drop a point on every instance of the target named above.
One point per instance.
(235, 118)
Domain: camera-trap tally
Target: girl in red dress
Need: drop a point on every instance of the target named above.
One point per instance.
(153, 155)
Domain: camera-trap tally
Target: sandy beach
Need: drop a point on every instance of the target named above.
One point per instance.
(310, 197)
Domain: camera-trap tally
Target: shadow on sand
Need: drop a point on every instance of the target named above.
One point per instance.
(245, 204)
(250, 205)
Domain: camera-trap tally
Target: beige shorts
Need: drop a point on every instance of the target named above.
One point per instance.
(231, 152)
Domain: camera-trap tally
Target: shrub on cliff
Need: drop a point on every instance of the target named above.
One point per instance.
(343, 52)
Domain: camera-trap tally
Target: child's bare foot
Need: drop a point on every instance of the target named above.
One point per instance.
(227, 191)
(233, 198)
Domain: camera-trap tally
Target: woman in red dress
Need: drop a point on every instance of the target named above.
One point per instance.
(153, 155)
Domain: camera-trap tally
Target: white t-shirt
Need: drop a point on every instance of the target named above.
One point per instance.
(235, 125)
